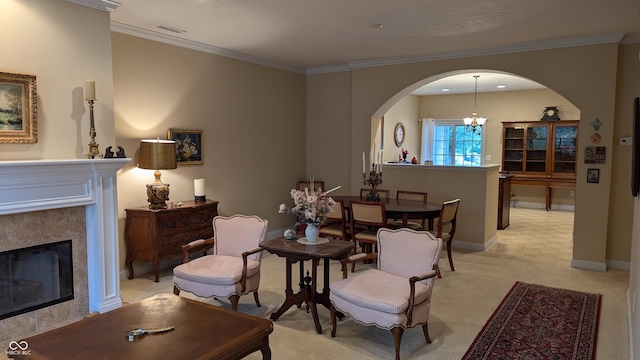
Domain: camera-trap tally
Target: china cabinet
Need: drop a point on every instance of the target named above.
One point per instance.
(541, 153)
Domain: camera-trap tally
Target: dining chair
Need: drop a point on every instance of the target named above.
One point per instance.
(366, 217)
(384, 194)
(448, 216)
(233, 269)
(410, 196)
(336, 224)
(317, 184)
(395, 296)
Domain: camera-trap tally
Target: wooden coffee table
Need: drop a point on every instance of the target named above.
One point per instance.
(202, 331)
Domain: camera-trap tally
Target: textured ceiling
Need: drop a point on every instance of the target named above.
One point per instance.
(315, 34)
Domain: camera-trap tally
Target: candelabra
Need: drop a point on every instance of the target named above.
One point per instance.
(374, 179)
(93, 146)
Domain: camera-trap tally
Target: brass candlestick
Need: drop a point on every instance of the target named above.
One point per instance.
(93, 146)
(374, 179)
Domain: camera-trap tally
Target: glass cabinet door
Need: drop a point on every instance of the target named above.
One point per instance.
(513, 148)
(536, 148)
(565, 149)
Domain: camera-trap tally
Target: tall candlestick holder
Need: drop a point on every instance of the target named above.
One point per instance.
(93, 146)
(373, 179)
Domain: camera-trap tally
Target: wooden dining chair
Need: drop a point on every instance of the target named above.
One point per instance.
(317, 184)
(447, 219)
(410, 196)
(336, 224)
(384, 194)
(366, 218)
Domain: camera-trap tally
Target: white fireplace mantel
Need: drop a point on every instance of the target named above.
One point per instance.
(34, 185)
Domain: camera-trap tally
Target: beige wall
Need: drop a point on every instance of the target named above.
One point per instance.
(329, 134)
(63, 45)
(584, 75)
(252, 117)
(405, 111)
(498, 107)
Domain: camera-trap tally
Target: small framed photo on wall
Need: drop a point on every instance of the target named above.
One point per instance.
(189, 146)
(593, 176)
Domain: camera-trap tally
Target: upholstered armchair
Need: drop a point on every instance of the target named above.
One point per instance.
(233, 269)
(397, 295)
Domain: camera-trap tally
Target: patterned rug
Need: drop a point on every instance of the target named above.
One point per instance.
(539, 322)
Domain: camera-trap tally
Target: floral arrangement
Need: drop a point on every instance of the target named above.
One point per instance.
(405, 152)
(186, 145)
(311, 207)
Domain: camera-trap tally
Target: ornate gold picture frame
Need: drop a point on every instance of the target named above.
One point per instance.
(18, 108)
(189, 146)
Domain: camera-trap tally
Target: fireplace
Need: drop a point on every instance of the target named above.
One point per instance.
(35, 277)
(52, 201)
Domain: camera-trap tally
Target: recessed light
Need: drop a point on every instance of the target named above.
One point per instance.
(502, 86)
(376, 26)
(172, 29)
(445, 90)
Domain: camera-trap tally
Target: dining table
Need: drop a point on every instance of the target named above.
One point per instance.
(402, 209)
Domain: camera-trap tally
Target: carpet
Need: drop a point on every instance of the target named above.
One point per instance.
(539, 322)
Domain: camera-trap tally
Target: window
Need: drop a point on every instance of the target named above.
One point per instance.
(447, 142)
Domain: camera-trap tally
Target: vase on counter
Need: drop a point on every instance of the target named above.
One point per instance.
(404, 157)
(311, 232)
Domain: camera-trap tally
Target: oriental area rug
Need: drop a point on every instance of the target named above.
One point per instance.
(539, 322)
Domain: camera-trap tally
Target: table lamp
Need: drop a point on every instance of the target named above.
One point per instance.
(157, 155)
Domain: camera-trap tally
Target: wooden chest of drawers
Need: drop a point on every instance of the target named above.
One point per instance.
(158, 234)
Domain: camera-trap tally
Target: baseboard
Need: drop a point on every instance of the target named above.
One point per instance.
(619, 265)
(475, 246)
(146, 267)
(541, 206)
(630, 322)
(589, 265)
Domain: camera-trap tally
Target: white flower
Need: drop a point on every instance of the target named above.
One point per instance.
(310, 207)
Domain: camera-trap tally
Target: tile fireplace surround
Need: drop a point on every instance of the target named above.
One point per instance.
(43, 201)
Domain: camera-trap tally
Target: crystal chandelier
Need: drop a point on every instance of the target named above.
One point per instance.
(474, 123)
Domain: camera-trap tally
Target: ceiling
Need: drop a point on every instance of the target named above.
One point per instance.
(338, 35)
(305, 35)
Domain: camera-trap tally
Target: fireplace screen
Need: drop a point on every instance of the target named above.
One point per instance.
(35, 277)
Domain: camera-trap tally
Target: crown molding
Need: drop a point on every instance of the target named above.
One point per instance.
(631, 39)
(104, 5)
(496, 50)
(194, 45)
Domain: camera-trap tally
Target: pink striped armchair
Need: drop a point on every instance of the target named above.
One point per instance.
(233, 269)
(396, 295)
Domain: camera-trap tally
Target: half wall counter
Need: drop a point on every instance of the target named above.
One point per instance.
(476, 187)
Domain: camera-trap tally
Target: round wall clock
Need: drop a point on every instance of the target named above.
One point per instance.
(399, 134)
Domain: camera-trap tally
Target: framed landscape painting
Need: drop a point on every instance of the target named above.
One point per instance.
(189, 146)
(18, 108)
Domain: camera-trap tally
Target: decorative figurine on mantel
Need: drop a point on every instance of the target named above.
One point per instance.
(108, 153)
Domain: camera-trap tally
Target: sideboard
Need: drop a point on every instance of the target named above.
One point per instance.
(158, 234)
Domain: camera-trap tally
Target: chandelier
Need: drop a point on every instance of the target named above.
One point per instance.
(474, 123)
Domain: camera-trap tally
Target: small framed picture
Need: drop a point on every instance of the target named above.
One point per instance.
(595, 154)
(18, 108)
(189, 146)
(593, 176)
